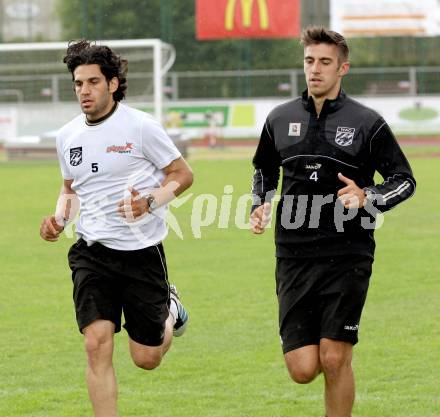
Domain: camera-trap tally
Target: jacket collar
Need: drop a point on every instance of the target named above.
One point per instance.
(330, 106)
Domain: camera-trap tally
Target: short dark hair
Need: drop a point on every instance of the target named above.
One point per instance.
(83, 52)
(313, 35)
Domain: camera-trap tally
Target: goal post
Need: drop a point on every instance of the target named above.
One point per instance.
(160, 53)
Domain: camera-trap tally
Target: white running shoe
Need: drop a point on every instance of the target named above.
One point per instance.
(182, 318)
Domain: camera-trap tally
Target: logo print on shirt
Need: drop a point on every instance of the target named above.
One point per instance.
(344, 135)
(315, 167)
(354, 328)
(76, 156)
(127, 148)
(294, 129)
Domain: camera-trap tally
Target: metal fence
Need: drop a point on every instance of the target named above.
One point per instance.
(398, 81)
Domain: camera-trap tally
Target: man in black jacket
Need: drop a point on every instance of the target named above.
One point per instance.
(330, 147)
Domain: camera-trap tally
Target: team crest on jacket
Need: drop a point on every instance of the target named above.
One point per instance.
(344, 135)
(76, 156)
(294, 129)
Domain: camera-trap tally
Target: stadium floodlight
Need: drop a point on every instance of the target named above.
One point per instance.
(149, 60)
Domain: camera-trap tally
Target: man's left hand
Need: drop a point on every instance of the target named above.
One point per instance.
(134, 206)
(351, 196)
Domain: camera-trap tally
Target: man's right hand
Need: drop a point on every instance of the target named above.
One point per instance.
(50, 229)
(260, 218)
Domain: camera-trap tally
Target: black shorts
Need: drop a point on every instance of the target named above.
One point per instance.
(107, 282)
(321, 297)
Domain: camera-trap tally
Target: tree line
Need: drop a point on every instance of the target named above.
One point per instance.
(173, 21)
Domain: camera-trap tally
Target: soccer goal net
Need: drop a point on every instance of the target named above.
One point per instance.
(33, 78)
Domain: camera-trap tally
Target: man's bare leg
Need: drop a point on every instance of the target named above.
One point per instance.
(150, 357)
(100, 375)
(303, 364)
(335, 358)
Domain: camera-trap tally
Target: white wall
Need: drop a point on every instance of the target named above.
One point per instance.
(34, 119)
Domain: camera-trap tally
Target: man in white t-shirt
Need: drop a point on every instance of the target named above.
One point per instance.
(121, 169)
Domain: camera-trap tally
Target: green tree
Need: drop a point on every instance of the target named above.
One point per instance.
(109, 19)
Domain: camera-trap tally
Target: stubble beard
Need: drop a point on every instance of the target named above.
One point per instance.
(321, 92)
(317, 93)
(94, 112)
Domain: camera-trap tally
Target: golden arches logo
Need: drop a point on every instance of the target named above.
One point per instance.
(246, 10)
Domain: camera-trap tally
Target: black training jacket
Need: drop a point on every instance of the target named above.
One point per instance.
(346, 138)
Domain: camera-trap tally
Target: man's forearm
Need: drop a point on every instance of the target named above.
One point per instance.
(174, 184)
(264, 186)
(67, 206)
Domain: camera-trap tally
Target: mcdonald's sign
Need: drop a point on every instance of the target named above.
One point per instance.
(221, 19)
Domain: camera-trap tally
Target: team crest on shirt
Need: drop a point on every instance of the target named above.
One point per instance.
(344, 135)
(76, 156)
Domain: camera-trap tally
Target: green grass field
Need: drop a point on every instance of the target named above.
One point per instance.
(229, 364)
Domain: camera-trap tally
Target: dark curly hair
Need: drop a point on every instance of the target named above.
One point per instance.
(83, 52)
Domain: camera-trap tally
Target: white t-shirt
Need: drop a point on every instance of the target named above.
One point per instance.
(129, 149)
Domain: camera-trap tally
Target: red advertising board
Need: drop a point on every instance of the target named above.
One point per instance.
(220, 19)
